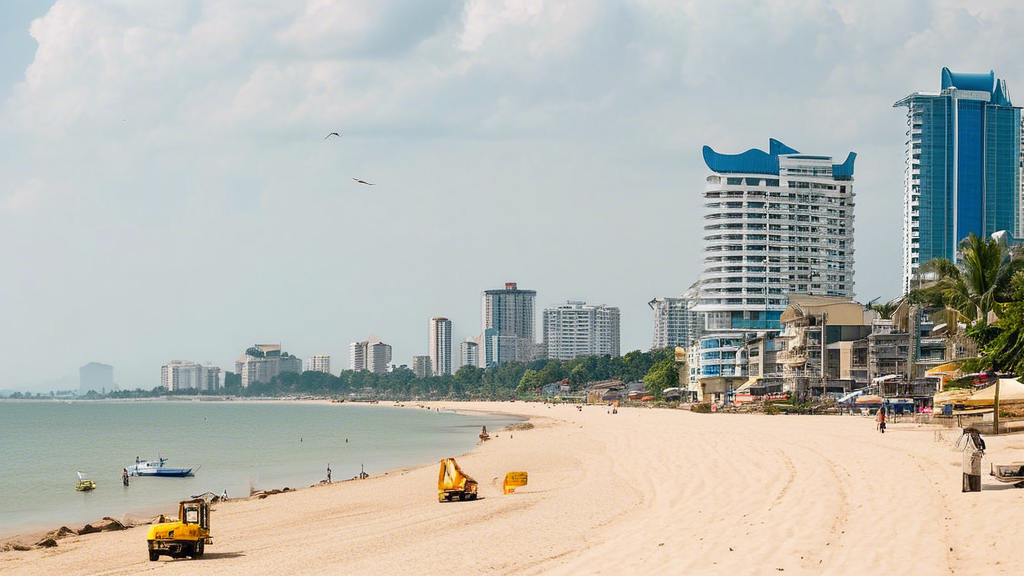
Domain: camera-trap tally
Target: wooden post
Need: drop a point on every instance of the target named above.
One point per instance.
(995, 412)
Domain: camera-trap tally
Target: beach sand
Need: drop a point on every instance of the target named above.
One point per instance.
(642, 491)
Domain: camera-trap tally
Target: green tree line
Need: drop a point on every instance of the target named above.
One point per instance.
(500, 382)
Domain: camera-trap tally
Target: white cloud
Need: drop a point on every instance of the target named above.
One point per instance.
(24, 198)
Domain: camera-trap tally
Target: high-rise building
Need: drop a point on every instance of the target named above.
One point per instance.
(508, 324)
(469, 353)
(675, 322)
(264, 362)
(963, 172)
(357, 356)
(421, 366)
(370, 354)
(96, 377)
(319, 363)
(178, 375)
(775, 222)
(576, 329)
(378, 357)
(441, 345)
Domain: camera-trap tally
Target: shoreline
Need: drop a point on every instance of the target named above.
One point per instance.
(29, 535)
(658, 491)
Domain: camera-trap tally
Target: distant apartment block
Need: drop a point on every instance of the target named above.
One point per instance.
(178, 375)
(371, 354)
(469, 353)
(577, 329)
(441, 345)
(508, 325)
(421, 366)
(319, 363)
(675, 322)
(264, 362)
(97, 377)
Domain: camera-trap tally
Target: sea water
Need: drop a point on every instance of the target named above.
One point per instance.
(232, 445)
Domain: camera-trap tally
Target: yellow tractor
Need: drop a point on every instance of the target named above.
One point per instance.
(186, 537)
(453, 483)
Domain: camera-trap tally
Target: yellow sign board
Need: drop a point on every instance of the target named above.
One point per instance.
(513, 480)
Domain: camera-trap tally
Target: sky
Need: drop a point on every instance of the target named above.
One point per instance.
(166, 191)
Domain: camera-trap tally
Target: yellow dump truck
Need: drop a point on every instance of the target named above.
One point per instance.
(186, 537)
(453, 483)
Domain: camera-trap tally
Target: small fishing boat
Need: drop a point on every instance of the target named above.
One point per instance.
(84, 484)
(157, 468)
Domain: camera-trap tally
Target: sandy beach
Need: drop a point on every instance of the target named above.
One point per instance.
(642, 491)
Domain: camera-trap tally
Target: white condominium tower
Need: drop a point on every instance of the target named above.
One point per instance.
(675, 322)
(370, 354)
(178, 375)
(441, 345)
(469, 353)
(421, 366)
(378, 357)
(319, 363)
(576, 329)
(508, 317)
(775, 222)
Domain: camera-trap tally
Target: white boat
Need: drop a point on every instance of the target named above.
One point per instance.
(157, 468)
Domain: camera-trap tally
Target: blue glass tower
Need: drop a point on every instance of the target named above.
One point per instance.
(963, 167)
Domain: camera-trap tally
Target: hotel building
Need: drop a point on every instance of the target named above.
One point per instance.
(775, 222)
(963, 167)
(508, 324)
(576, 329)
(441, 345)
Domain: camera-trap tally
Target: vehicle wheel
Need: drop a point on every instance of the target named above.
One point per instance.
(462, 496)
(200, 549)
(154, 555)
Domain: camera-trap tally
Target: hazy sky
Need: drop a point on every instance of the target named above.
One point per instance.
(166, 191)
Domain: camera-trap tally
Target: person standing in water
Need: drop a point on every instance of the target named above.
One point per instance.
(124, 476)
(328, 473)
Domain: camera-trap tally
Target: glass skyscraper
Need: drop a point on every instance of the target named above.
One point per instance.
(963, 167)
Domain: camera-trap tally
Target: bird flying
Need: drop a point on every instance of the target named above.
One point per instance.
(332, 134)
(363, 182)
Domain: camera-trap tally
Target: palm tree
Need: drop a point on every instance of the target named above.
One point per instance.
(974, 290)
(976, 286)
(886, 309)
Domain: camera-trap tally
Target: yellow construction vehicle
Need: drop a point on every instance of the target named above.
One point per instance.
(453, 483)
(186, 537)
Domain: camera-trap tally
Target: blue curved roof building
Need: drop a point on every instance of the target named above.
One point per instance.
(756, 161)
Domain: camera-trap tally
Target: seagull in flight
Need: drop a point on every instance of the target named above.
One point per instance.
(363, 182)
(332, 134)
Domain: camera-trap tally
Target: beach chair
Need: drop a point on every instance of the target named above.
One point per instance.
(1009, 473)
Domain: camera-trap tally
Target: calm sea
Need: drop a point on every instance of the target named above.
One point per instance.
(43, 444)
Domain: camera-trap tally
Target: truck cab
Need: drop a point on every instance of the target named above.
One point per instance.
(186, 537)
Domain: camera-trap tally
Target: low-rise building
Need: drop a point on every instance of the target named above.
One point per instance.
(818, 334)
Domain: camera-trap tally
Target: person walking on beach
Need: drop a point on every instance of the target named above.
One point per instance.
(881, 419)
(328, 473)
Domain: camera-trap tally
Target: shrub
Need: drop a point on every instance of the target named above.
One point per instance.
(701, 408)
